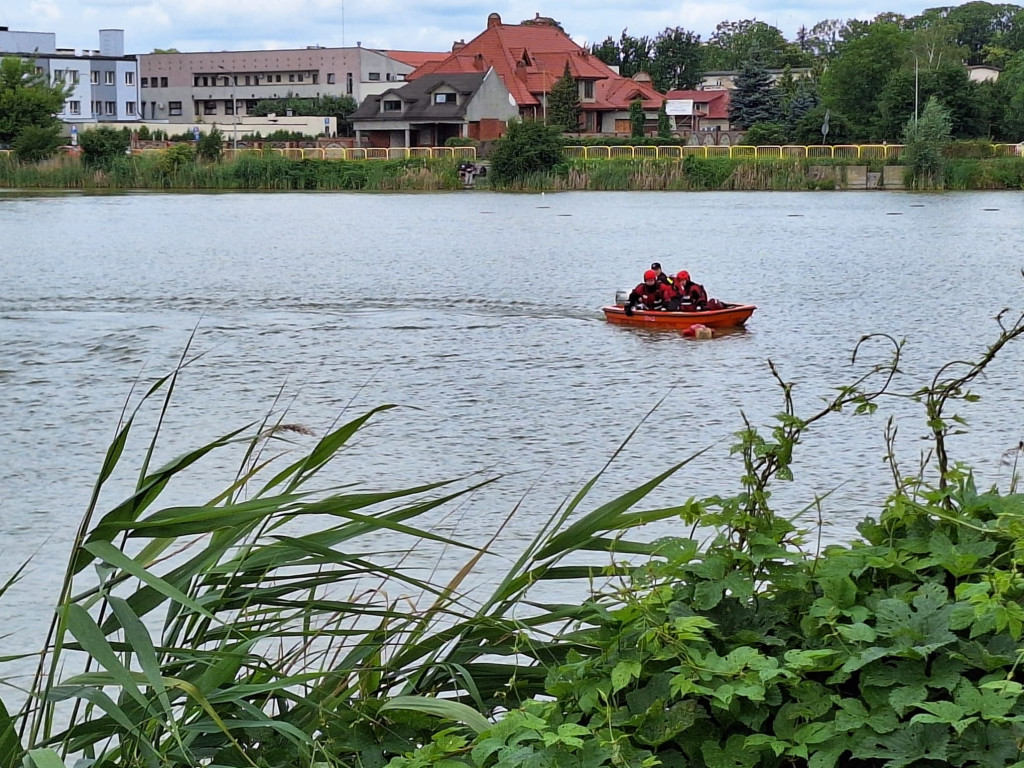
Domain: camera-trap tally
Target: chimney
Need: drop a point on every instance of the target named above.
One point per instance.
(493, 20)
(458, 45)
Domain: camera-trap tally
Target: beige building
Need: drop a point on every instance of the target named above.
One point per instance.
(982, 73)
(216, 86)
(726, 79)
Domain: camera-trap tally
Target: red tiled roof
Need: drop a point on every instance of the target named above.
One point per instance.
(530, 58)
(416, 58)
(717, 101)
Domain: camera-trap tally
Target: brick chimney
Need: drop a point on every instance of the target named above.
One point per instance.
(493, 20)
(458, 45)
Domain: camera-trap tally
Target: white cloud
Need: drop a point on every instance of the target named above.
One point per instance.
(410, 24)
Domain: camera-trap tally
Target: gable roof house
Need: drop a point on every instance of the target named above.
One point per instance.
(530, 58)
(434, 108)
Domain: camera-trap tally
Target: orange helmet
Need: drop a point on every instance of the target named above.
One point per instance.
(683, 276)
(650, 274)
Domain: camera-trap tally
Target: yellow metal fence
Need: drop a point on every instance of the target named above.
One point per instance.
(838, 151)
(357, 153)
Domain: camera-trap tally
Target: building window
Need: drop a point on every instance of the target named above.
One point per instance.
(247, 80)
(291, 78)
(392, 105)
(108, 77)
(39, 70)
(109, 108)
(195, 81)
(58, 76)
(129, 78)
(330, 78)
(145, 82)
(129, 108)
(74, 107)
(375, 75)
(174, 108)
(229, 107)
(316, 78)
(278, 80)
(390, 76)
(74, 76)
(588, 89)
(163, 82)
(444, 98)
(209, 107)
(94, 77)
(348, 83)
(97, 108)
(302, 77)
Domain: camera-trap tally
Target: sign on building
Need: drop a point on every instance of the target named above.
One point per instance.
(679, 107)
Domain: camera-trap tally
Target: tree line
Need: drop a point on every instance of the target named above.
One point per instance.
(869, 76)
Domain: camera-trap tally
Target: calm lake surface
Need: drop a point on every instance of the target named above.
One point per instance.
(482, 314)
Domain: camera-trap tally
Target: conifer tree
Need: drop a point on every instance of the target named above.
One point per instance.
(637, 119)
(754, 99)
(664, 124)
(564, 102)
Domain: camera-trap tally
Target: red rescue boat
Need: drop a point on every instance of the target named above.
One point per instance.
(729, 316)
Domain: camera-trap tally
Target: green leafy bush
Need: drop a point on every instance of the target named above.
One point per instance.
(210, 146)
(35, 143)
(528, 147)
(100, 146)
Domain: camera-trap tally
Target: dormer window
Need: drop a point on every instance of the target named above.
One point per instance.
(392, 105)
(587, 89)
(444, 98)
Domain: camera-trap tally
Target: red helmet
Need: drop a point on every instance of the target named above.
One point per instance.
(683, 276)
(650, 274)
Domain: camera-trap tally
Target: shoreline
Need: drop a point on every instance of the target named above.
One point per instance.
(276, 173)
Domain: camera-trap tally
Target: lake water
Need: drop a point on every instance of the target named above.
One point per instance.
(481, 312)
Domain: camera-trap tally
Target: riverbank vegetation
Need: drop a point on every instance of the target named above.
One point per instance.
(545, 170)
(178, 167)
(219, 633)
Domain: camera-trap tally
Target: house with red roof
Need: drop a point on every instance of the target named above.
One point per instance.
(707, 111)
(530, 58)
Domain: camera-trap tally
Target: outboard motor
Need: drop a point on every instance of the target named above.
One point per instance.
(622, 297)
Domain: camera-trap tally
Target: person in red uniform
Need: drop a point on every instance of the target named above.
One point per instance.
(650, 294)
(688, 295)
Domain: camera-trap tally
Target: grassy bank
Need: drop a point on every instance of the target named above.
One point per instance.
(160, 171)
(154, 171)
(215, 633)
(723, 173)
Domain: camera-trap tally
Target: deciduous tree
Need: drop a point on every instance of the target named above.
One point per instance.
(608, 52)
(678, 60)
(856, 78)
(924, 139)
(26, 98)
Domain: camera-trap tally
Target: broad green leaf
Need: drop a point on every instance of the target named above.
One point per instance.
(45, 758)
(623, 673)
(451, 710)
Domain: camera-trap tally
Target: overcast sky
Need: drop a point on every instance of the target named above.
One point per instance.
(214, 25)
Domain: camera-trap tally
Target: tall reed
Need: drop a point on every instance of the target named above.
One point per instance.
(248, 171)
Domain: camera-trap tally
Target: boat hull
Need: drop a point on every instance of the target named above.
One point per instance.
(731, 316)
